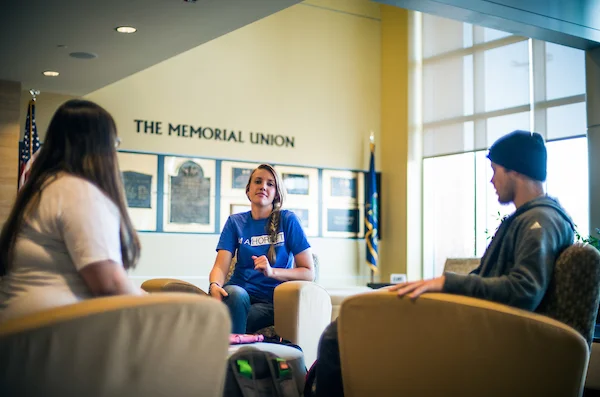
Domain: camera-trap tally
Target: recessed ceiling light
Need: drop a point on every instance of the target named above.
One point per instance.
(126, 29)
(50, 73)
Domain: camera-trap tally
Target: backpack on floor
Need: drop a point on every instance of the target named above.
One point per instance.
(256, 373)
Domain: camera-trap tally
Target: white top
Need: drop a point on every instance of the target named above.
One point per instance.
(74, 225)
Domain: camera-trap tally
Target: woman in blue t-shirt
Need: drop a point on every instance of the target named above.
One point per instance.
(271, 248)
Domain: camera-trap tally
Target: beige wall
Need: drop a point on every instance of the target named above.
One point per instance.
(10, 93)
(312, 71)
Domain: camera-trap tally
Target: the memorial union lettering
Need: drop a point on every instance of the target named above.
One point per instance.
(149, 127)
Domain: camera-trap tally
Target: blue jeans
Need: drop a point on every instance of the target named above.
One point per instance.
(248, 314)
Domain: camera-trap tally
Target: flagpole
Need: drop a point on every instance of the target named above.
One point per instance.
(34, 93)
(372, 149)
(371, 213)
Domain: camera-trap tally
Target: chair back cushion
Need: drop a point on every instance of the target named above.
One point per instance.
(461, 265)
(153, 345)
(574, 291)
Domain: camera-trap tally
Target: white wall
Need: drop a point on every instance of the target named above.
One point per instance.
(310, 72)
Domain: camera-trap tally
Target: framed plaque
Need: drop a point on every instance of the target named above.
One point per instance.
(189, 195)
(303, 216)
(302, 187)
(343, 204)
(238, 208)
(343, 221)
(234, 178)
(240, 177)
(343, 187)
(296, 184)
(140, 180)
(300, 182)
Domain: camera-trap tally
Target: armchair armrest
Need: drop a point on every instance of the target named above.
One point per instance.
(170, 285)
(302, 311)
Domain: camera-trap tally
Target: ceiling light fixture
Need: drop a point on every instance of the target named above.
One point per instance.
(83, 55)
(50, 73)
(126, 29)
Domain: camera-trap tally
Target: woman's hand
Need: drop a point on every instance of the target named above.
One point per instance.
(217, 292)
(261, 263)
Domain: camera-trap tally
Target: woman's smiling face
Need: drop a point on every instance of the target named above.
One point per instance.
(262, 189)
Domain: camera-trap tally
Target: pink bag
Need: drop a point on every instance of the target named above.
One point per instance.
(237, 339)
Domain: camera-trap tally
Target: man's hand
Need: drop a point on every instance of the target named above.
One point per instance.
(261, 263)
(416, 288)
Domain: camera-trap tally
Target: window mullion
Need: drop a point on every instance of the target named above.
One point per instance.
(537, 78)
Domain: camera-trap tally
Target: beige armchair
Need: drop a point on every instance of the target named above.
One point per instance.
(302, 310)
(448, 345)
(130, 346)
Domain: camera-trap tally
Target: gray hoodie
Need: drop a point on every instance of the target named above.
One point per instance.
(518, 264)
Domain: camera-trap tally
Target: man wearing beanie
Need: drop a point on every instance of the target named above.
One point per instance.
(516, 267)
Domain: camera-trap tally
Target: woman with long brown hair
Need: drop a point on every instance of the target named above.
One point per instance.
(68, 236)
(271, 248)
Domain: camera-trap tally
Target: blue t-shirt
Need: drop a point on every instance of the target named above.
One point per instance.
(250, 237)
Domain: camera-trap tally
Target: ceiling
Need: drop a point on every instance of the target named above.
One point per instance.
(39, 35)
(574, 23)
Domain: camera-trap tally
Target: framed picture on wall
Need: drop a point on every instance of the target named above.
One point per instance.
(140, 180)
(239, 177)
(297, 184)
(238, 208)
(189, 195)
(302, 187)
(301, 182)
(343, 187)
(303, 216)
(343, 221)
(234, 178)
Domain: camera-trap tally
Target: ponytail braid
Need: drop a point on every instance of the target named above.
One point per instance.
(273, 230)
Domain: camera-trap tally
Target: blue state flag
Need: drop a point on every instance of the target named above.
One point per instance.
(371, 214)
(31, 144)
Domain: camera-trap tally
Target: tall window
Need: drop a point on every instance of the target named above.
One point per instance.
(477, 85)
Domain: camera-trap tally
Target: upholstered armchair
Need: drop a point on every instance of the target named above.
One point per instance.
(302, 309)
(449, 345)
(135, 346)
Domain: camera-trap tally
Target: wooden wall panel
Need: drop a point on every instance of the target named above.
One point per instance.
(10, 96)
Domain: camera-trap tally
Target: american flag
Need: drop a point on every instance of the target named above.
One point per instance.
(31, 144)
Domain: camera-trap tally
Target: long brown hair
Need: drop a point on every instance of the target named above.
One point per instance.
(275, 216)
(80, 141)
